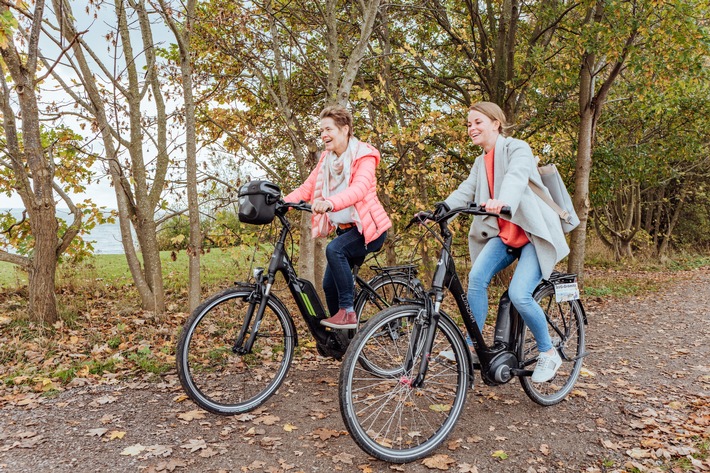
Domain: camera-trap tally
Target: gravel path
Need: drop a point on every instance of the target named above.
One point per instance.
(644, 401)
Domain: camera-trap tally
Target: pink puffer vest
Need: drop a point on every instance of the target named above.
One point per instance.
(361, 192)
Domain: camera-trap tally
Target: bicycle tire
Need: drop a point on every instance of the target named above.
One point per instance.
(389, 290)
(215, 377)
(566, 324)
(387, 417)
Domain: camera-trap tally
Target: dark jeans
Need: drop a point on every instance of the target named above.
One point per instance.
(338, 282)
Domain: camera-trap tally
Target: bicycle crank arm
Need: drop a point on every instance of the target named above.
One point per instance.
(521, 373)
(582, 355)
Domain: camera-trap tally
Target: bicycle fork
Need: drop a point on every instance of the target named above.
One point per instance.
(256, 298)
(423, 326)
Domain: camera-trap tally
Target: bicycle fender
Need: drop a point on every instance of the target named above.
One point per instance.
(561, 277)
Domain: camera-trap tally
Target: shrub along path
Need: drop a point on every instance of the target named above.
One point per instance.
(642, 405)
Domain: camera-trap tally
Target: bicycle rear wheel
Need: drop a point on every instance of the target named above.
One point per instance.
(565, 322)
(387, 290)
(212, 367)
(387, 416)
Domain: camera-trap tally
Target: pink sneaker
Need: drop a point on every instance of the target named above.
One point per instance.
(342, 320)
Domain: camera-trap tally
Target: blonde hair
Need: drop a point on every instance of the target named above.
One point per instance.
(340, 116)
(494, 112)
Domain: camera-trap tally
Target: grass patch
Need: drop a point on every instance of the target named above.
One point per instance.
(100, 272)
(148, 363)
(11, 275)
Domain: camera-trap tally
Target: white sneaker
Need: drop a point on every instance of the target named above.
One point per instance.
(547, 366)
(449, 354)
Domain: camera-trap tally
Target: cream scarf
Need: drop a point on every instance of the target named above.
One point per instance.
(336, 173)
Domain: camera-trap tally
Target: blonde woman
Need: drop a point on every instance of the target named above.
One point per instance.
(532, 234)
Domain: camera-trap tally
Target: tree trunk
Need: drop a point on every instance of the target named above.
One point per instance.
(578, 236)
(31, 164)
(194, 249)
(137, 204)
(591, 102)
(665, 242)
(43, 264)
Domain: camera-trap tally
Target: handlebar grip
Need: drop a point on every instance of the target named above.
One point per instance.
(504, 210)
(300, 205)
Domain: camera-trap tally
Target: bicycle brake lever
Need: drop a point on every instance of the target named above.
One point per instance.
(420, 217)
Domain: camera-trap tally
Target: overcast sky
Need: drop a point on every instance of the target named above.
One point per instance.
(102, 194)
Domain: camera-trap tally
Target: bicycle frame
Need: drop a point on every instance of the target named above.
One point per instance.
(330, 342)
(509, 325)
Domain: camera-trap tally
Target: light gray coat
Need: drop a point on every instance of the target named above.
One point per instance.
(514, 166)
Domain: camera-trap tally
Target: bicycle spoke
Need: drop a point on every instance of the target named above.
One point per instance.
(388, 416)
(567, 332)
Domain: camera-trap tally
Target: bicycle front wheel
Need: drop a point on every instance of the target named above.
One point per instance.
(565, 322)
(213, 365)
(388, 416)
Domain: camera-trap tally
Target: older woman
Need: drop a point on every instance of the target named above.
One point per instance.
(343, 192)
(533, 234)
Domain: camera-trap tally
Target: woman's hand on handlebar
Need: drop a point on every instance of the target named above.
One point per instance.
(425, 216)
(322, 206)
(496, 206)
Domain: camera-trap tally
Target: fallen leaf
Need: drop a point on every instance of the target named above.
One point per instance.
(639, 453)
(133, 450)
(208, 453)
(256, 465)
(440, 407)
(158, 451)
(343, 458)
(116, 434)
(438, 462)
(96, 432)
(102, 400)
(194, 445)
(325, 434)
(192, 415)
(244, 417)
(500, 454)
(267, 420)
(585, 373)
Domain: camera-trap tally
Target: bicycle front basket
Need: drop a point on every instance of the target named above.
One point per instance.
(257, 202)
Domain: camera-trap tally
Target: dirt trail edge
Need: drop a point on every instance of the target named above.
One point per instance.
(643, 402)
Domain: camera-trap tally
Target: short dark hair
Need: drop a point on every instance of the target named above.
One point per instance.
(340, 116)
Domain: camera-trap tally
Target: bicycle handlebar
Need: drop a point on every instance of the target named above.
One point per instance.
(470, 209)
(283, 207)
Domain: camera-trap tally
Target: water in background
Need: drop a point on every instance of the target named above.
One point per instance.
(106, 237)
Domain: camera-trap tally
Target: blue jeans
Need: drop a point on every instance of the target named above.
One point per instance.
(494, 257)
(338, 282)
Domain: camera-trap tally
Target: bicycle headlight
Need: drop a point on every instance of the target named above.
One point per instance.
(258, 274)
